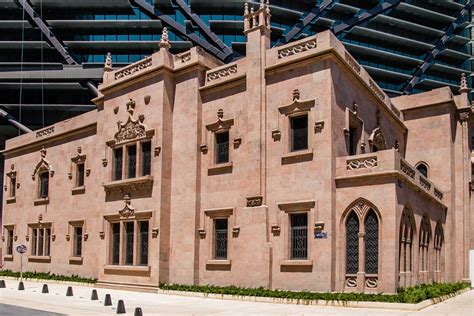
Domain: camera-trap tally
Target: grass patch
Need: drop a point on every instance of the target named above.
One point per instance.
(404, 295)
(47, 276)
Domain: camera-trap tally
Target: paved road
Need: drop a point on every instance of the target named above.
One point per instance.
(11, 310)
(160, 304)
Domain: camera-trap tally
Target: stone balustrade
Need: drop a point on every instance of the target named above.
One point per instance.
(133, 68)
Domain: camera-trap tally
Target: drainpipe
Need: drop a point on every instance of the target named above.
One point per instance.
(14, 122)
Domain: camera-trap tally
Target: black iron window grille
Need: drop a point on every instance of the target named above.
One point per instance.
(352, 244)
(43, 184)
(41, 243)
(132, 161)
(12, 187)
(222, 147)
(299, 236)
(9, 241)
(118, 160)
(371, 243)
(80, 175)
(299, 132)
(129, 242)
(116, 243)
(77, 241)
(220, 238)
(143, 243)
(129, 232)
(146, 158)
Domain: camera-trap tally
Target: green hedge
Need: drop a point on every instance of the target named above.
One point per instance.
(47, 276)
(405, 295)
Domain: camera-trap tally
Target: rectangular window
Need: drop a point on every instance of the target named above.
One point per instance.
(129, 243)
(132, 161)
(143, 246)
(9, 241)
(146, 158)
(299, 236)
(352, 141)
(41, 242)
(34, 242)
(118, 160)
(77, 241)
(222, 147)
(47, 242)
(116, 243)
(299, 132)
(80, 175)
(12, 187)
(43, 185)
(220, 226)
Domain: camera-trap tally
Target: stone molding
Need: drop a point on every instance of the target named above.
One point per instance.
(298, 48)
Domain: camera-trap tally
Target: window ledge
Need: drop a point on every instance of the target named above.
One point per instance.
(8, 257)
(217, 262)
(296, 263)
(78, 190)
(131, 184)
(220, 168)
(75, 260)
(10, 200)
(41, 201)
(45, 259)
(297, 156)
(127, 270)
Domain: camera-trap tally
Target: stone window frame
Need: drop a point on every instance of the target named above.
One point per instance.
(79, 159)
(71, 237)
(232, 230)
(11, 185)
(139, 157)
(406, 244)
(293, 110)
(353, 120)
(291, 208)
(44, 257)
(425, 165)
(122, 268)
(221, 125)
(424, 240)
(7, 228)
(43, 166)
(438, 242)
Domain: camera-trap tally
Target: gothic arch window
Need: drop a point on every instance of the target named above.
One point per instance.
(352, 243)
(407, 228)
(422, 168)
(438, 243)
(371, 243)
(424, 241)
(42, 174)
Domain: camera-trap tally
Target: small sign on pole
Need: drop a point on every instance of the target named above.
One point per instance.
(21, 249)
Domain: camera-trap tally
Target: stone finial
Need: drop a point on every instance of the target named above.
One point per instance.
(246, 8)
(261, 4)
(108, 62)
(296, 95)
(463, 87)
(220, 113)
(164, 42)
(43, 151)
(267, 10)
(355, 107)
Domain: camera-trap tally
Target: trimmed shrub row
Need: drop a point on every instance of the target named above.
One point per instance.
(405, 295)
(47, 276)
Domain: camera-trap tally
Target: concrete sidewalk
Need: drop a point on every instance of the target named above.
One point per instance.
(161, 304)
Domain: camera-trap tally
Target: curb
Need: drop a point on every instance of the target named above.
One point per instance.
(354, 304)
(48, 281)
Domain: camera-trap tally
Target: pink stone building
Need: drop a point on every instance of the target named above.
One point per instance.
(287, 169)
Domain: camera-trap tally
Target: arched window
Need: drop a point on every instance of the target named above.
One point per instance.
(406, 241)
(438, 243)
(352, 244)
(425, 236)
(371, 243)
(422, 168)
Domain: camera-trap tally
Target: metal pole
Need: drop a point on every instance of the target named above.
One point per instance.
(14, 122)
(21, 268)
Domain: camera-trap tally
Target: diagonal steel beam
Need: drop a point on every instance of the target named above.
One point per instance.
(312, 17)
(203, 27)
(364, 16)
(152, 12)
(428, 61)
(52, 40)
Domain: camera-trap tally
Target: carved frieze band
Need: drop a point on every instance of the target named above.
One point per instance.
(254, 201)
(221, 73)
(184, 57)
(45, 132)
(362, 163)
(377, 90)
(407, 170)
(351, 61)
(127, 71)
(298, 48)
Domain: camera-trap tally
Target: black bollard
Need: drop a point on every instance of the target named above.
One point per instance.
(138, 312)
(108, 300)
(21, 286)
(121, 307)
(69, 291)
(94, 296)
(2, 284)
(45, 289)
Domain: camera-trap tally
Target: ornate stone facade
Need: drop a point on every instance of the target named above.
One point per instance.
(318, 190)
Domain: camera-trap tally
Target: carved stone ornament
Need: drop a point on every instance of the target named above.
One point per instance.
(204, 149)
(104, 162)
(254, 201)
(132, 129)
(464, 115)
(154, 232)
(376, 139)
(43, 165)
(220, 124)
(237, 142)
(296, 106)
(127, 211)
(147, 99)
(108, 62)
(318, 126)
(157, 151)
(131, 106)
(463, 84)
(102, 235)
(79, 158)
(137, 184)
(164, 41)
(276, 135)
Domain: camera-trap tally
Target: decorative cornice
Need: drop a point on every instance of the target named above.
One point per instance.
(297, 106)
(298, 48)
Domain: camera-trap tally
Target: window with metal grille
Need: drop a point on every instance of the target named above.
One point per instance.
(79, 175)
(143, 243)
(132, 161)
(41, 242)
(9, 241)
(77, 241)
(146, 158)
(299, 236)
(425, 235)
(118, 160)
(12, 186)
(220, 226)
(371, 243)
(299, 132)
(116, 243)
(129, 243)
(353, 139)
(222, 147)
(352, 244)
(43, 184)
(423, 169)
(406, 242)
